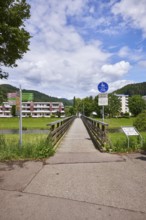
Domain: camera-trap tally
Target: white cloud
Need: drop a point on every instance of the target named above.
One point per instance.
(60, 61)
(131, 54)
(63, 71)
(119, 84)
(66, 58)
(142, 63)
(124, 51)
(133, 13)
(117, 69)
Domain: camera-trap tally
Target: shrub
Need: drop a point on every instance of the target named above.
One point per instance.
(126, 115)
(140, 122)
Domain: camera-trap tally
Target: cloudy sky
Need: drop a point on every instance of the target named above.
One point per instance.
(76, 44)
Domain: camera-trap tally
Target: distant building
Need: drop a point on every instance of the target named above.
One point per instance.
(35, 109)
(144, 97)
(124, 102)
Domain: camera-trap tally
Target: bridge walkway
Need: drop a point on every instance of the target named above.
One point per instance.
(108, 186)
(77, 147)
(77, 183)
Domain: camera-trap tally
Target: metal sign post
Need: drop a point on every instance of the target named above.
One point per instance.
(103, 113)
(20, 118)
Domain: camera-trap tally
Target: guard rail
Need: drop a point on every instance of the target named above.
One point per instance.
(58, 129)
(97, 131)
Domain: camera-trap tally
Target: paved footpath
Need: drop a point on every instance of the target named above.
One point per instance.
(78, 183)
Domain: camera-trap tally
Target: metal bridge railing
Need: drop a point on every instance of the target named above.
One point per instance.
(97, 131)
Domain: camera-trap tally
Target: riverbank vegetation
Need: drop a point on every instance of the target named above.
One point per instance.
(117, 140)
(33, 147)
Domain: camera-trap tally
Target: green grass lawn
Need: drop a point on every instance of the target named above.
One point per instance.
(29, 123)
(118, 122)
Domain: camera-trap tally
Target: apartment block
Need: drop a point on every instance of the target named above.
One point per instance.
(144, 98)
(124, 102)
(35, 109)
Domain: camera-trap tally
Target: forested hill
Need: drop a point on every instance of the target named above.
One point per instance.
(133, 89)
(38, 96)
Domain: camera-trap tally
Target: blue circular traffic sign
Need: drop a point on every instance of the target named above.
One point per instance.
(102, 87)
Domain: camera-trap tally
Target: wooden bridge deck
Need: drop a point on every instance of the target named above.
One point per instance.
(77, 147)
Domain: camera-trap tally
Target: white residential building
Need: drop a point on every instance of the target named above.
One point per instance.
(124, 102)
(144, 98)
(35, 109)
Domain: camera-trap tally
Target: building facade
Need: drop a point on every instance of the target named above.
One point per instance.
(144, 98)
(35, 109)
(124, 102)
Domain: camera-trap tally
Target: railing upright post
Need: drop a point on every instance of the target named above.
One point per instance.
(52, 127)
(58, 128)
(97, 131)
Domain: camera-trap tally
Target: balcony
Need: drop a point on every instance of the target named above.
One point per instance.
(40, 111)
(41, 106)
(24, 106)
(26, 111)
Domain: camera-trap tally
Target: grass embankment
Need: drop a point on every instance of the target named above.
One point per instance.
(118, 141)
(34, 146)
(27, 123)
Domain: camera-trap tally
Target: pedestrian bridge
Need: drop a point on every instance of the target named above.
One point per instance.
(76, 146)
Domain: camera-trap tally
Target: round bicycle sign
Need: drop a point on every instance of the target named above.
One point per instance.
(102, 87)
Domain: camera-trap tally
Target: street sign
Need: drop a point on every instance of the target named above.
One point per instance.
(102, 99)
(12, 98)
(27, 97)
(102, 87)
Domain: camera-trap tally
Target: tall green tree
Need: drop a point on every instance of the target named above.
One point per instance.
(136, 104)
(14, 39)
(88, 105)
(96, 107)
(13, 110)
(114, 106)
(78, 106)
(74, 102)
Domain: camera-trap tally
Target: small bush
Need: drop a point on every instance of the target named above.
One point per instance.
(24, 128)
(126, 115)
(140, 122)
(144, 145)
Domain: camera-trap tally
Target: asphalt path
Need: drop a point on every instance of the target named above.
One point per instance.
(77, 183)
